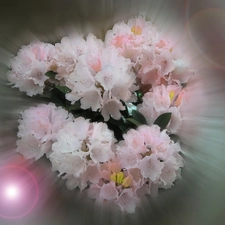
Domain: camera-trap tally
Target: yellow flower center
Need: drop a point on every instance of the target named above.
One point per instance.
(136, 30)
(171, 95)
(119, 179)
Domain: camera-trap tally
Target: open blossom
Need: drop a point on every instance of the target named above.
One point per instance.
(117, 185)
(129, 37)
(139, 41)
(100, 81)
(90, 176)
(81, 145)
(162, 97)
(38, 128)
(28, 68)
(160, 100)
(69, 51)
(153, 154)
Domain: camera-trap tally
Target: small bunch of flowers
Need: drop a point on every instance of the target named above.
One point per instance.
(111, 115)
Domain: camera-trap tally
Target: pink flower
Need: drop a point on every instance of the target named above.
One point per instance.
(40, 125)
(165, 63)
(79, 149)
(94, 191)
(128, 201)
(108, 191)
(151, 167)
(67, 54)
(111, 107)
(129, 38)
(67, 163)
(168, 174)
(101, 142)
(90, 176)
(28, 68)
(117, 185)
(149, 155)
(30, 147)
(100, 81)
(162, 99)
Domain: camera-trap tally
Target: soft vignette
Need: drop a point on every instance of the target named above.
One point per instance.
(202, 131)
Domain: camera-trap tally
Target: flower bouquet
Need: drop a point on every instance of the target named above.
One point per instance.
(111, 117)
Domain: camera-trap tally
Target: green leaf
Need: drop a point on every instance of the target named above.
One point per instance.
(133, 121)
(63, 89)
(138, 117)
(118, 123)
(163, 120)
(57, 101)
(75, 106)
(50, 74)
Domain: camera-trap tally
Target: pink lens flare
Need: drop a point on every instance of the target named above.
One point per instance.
(18, 192)
(12, 192)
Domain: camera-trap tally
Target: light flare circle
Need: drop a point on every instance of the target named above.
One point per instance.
(18, 192)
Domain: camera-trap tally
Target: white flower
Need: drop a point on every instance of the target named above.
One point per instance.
(94, 191)
(128, 201)
(182, 71)
(109, 191)
(111, 107)
(28, 68)
(175, 121)
(101, 140)
(30, 147)
(72, 163)
(131, 37)
(90, 176)
(38, 128)
(165, 63)
(151, 167)
(149, 150)
(100, 81)
(80, 147)
(67, 54)
(168, 173)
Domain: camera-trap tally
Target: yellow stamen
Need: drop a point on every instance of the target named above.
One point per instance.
(136, 30)
(127, 181)
(119, 179)
(113, 177)
(171, 95)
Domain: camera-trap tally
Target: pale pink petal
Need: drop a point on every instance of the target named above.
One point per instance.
(93, 174)
(127, 201)
(71, 182)
(94, 191)
(151, 167)
(109, 191)
(168, 174)
(29, 147)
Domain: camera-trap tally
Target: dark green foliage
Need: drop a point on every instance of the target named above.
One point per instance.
(51, 74)
(163, 120)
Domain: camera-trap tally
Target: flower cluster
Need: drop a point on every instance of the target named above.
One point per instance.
(113, 109)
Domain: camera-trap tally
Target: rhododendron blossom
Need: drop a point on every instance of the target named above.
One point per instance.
(113, 108)
(102, 79)
(38, 128)
(28, 68)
